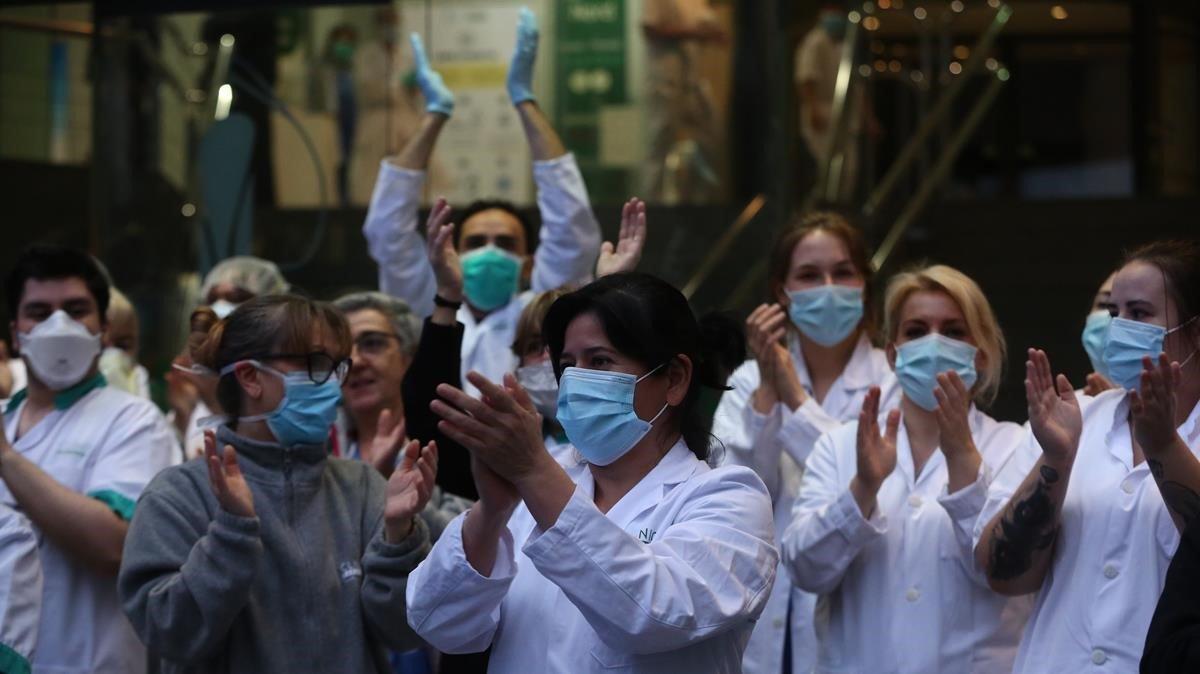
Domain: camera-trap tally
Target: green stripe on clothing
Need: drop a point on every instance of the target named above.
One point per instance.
(120, 504)
(11, 661)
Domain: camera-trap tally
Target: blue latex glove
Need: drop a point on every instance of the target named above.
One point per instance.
(520, 71)
(438, 98)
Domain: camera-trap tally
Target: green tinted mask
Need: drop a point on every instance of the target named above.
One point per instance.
(490, 277)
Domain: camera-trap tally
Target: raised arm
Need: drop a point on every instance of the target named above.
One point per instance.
(569, 240)
(1017, 545)
(1155, 413)
(391, 226)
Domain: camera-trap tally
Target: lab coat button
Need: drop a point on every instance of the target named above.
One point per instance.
(1127, 486)
(1099, 657)
(914, 501)
(1110, 571)
(913, 594)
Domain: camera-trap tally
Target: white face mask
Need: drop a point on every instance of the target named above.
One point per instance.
(60, 350)
(539, 382)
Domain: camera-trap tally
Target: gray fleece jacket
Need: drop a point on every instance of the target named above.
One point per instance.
(309, 585)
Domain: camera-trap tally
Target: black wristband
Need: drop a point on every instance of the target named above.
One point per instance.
(443, 302)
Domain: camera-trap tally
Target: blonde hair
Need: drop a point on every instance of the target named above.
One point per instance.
(981, 320)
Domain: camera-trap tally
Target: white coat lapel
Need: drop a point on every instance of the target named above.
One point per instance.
(676, 466)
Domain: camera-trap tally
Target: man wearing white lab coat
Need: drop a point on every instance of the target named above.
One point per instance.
(569, 236)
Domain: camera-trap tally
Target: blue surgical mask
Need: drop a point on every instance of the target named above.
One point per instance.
(826, 314)
(307, 410)
(919, 362)
(595, 409)
(1094, 335)
(1128, 342)
(490, 277)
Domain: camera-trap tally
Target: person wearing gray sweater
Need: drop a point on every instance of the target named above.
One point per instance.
(272, 556)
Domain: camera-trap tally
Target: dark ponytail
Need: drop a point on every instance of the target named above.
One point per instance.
(649, 321)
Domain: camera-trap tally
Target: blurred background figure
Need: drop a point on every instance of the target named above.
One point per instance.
(237, 279)
(119, 360)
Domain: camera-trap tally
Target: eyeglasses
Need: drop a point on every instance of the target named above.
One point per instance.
(373, 343)
(321, 366)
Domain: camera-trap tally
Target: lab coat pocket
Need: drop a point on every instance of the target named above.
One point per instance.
(955, 608)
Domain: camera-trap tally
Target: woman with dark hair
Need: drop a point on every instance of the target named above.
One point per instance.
(634, 552)
(271, 556)
(1089, 516)
(813, 365)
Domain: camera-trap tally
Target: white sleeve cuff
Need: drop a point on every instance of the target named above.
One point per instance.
(848, 519)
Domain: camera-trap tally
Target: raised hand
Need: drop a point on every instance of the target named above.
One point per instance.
(386, 445)
(876, 453)
(1053, 409)
(439, 243)
(409, 489)
(438, 98)
(954, 404)
(520, 70)
(1153, 405)
(630, 241)
(765, 329)
(503, 430)
(226, 479)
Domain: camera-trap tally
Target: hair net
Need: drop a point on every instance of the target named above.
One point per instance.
(252, 274)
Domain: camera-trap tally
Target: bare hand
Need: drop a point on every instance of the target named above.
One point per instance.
(1153, 405)
(765, 328)
(439, 243)
(503, 430)
(226, 479)
(632, 238)
(182, 396)
(1097, 384)
(954, 404)
(1053, 409)
(386, 445)
(409, 489)
(876, 453)
(496, 494)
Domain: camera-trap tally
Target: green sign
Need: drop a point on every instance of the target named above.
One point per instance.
(590, 73)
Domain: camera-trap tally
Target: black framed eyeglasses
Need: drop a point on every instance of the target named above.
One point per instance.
(321, 366)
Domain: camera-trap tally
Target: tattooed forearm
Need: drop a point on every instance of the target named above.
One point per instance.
(1181, 499)
(1027, 526)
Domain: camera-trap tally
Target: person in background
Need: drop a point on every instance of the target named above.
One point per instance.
(535, 372)
(384, 335)
(20, 592)
(637, 555)
(1090, 514)
(191, 389)
(883, 525)
(1095, 329)
(118, 361)
(269, 555)
(813, 365)
(493, 236)
(237, 279)
(75, 455)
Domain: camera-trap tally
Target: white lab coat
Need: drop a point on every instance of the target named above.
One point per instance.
(568, 244)
(671, 579)
(20, 589)
(776, 446)
(904, 592)
(1115, 542)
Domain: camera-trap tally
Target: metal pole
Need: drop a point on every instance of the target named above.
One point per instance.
(940, 110)
(721, 247)
(940, 169)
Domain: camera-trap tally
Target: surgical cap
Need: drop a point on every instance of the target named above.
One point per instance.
(252, 274)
